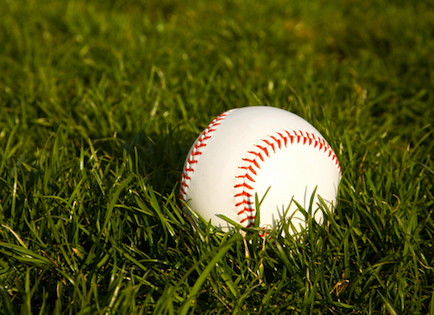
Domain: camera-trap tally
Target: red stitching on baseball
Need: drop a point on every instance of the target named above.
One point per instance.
(250, 168)
(247, 190)
(252, 161)
(244, 193)
(258, 155)
(246, 176)
(243, 185)
(245, 202)
(245, 209)
(199, 145)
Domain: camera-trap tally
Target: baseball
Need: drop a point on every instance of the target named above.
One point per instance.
(265, 151)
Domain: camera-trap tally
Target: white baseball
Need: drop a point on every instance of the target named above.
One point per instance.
(254, 149)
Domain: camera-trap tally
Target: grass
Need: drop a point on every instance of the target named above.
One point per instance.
(101, 100)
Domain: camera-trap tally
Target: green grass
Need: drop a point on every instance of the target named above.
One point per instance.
(101, 100)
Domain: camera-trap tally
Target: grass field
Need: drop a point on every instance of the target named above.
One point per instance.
(101, 100)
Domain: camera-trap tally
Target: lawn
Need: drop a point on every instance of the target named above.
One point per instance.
(100, 102)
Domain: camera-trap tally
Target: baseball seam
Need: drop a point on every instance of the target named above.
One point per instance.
(197, 150)
(273, 142)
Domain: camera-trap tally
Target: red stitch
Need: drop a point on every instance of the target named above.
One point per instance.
(270, 144)
(249, 168)
(244, 193)
(258, 154)
(243, 185)
(250, 178)
(246, 209)
(252, 161)
(244, 202)
(250, 218)
(252, 170)
(285, 139)
(264, 149)
(246, 176)
(277, 141)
